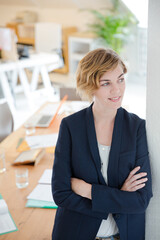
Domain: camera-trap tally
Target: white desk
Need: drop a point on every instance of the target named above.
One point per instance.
(39, 62)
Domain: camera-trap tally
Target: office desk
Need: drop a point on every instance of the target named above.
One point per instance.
(32, 223)
(39, 63)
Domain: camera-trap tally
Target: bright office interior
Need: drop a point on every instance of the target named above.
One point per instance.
(69, 19)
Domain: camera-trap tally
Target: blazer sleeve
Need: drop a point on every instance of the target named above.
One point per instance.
(113, 200)
(61, 177)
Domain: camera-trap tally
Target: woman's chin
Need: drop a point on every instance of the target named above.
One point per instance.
(113, 105)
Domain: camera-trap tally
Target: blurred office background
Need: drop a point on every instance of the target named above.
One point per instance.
(60, 27)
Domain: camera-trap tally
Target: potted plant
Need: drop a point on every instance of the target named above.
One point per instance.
(112, 28)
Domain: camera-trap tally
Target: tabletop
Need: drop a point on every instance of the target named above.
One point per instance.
(32, 223)
(34, 60)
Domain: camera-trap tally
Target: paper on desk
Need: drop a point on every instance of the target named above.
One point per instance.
(50, 108)
(40, 204)
(3, 206)
(46, 177)
(42, 141)
(6, 222)
(41, 192)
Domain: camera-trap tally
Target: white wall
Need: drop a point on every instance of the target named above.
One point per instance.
(66, 12)
(65, 16)
(153, 118)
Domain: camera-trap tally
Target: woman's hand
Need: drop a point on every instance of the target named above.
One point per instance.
(81, 188)
(134, 181)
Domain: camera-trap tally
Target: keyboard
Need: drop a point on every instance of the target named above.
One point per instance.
(45, 119)
(40, 120)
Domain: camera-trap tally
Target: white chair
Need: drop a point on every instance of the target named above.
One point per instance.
(6, 120)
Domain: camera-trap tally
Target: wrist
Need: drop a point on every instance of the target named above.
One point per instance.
(88, 191)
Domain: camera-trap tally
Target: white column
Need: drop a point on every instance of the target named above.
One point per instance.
(34, 81)
(7, 91)
(153, 118)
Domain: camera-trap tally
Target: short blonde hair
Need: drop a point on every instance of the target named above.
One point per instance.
(92, 67)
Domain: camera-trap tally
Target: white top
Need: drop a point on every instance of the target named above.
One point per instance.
(108, 227)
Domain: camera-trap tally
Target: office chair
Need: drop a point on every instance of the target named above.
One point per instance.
(70, 92)
(6, 120)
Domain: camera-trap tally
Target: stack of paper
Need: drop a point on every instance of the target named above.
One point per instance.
(7, 223)
(42, 141)
(47, 141)
(41, 196)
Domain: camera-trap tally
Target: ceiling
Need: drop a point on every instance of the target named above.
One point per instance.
(59, 3)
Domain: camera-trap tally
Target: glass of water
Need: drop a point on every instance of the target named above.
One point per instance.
(22, 177)
(30, 128)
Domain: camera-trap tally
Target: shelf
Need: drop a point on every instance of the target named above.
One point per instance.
(78, 48)
(27, 41)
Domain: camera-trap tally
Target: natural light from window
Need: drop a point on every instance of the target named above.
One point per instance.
(140, 9)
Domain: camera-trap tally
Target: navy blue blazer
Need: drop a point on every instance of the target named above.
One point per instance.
(77, 155)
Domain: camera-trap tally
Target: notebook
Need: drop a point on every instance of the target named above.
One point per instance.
(29, 157)
(7, 223)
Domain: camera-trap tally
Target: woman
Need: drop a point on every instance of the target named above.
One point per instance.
(101, 176)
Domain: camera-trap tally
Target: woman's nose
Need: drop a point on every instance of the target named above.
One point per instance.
(115, 89)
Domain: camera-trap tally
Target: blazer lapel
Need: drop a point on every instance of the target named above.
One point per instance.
(92, 139)
(115, 147)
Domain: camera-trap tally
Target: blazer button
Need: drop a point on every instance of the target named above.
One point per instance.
(117, 216)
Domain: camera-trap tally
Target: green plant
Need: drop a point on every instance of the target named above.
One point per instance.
(112, 27)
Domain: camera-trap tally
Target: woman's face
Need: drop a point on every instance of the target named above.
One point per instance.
(111, 90)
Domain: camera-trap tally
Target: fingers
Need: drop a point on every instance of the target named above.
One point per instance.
(135, 188)
(138, 176)
(133, 172)
(135, 181)
(135, 176)
(138, 184)
(143, 180)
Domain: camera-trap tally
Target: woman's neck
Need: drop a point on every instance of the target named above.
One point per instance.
(100, 114)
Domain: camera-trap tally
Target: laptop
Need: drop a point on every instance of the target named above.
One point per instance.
(44, 121)
(46, 115)
(40, 120)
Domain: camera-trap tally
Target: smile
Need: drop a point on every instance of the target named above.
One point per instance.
(115, 99)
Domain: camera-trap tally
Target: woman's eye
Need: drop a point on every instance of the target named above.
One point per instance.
(105, 84)
(121, 79)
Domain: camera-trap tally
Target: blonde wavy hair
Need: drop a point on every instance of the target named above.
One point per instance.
(92, 67)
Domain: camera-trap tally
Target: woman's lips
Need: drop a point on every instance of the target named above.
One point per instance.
(115, 99)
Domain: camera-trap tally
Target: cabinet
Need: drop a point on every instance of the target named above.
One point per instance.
(79, 45)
